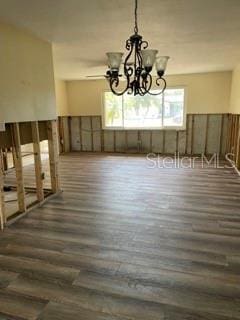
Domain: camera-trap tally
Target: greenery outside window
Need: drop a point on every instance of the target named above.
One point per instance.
(147, 112)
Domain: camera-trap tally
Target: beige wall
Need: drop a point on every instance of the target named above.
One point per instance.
(26, 77)
(235, 92)
(206, 93)
(61, 97)
(85, 96)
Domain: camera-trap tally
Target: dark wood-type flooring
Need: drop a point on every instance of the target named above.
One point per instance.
(124, 241)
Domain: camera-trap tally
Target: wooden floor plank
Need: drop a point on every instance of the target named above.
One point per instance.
(124, 241)
(6, 277)
(166, 293)
(57, 311)
(88, 299)
(37, 268)
(20, 307)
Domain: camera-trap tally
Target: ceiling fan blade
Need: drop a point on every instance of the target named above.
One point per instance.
(101, 76)
(96, 64)
(96, 76)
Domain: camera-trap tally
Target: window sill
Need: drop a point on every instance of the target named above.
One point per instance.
(182, 128)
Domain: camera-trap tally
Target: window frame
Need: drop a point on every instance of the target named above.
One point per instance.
(122, 128)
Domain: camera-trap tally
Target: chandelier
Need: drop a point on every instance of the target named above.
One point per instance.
(137, 66)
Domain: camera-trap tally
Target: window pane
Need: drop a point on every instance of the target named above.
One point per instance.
(113, 110)
(146, 111)
(142, 112)
(173, 107)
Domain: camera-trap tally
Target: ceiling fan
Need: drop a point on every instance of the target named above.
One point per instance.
(104, 76)
(96, 76)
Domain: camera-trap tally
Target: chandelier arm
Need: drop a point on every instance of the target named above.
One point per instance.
(142, 89)
(146, 82)
(143, 45)
(114, 82)
(139, 57)
(164, 87)
(135, 60)
(128, 71)
(138, 67)
(142, 92)
(130, 90)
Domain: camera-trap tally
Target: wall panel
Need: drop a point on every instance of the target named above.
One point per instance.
(120, 137)
(214, 134)
(181, 142)
(75, 134)
(108, 140)
(133, 141)
(96, 131)
(157, 141)
(224, 133)
(66, 134)
(205, 133)
(199, 133)
(86, 134)
(170, 141)
(146, 141)
(189, 132)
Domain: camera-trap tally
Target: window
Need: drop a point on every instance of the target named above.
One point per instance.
(147, 112)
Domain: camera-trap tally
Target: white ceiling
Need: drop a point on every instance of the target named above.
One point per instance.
(199, 35)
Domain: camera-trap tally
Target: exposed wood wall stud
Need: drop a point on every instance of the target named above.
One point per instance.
(139, 146)
(70, 134)
(5, 159)
(236, 148)
(188, 144)
(206, 136)
(53, 155)
(228, 133)
(17, 158)
(102, 140)
(2, 204)
(151, 142)
(114, 141)
(187, 134)
(177, 140)
(126, 141)
(61, 134)
(236, 138)
(37, 160)
(163, 148)
(221, 134)
(91, 126)
(80, 133)
(192, 135)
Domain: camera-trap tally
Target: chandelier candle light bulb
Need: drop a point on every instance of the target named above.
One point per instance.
(137, 74)
(114, 60)
(148, 58)
(161, 64)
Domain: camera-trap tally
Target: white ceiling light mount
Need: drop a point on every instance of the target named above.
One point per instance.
(138, 76)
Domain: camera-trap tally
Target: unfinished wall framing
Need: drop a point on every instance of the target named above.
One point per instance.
(205, 133)
(11, 141)
(233, 142)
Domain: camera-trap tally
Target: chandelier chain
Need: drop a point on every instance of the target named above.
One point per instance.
(135, 14)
